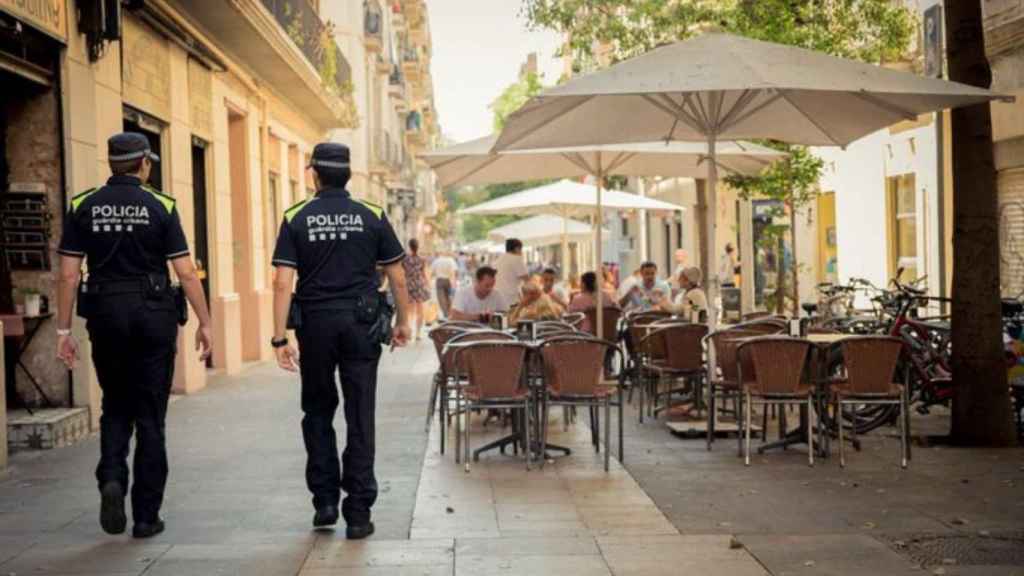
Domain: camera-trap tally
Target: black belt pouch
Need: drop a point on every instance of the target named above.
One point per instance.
(180, 304)
(86, 306)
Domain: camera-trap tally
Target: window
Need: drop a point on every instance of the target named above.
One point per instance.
(625, 227)
(902, 225)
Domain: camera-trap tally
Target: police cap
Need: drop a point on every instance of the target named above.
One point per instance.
(330, 155)
(128, 146)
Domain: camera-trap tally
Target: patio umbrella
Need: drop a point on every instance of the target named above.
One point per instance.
(722, 87)
(475, 162)
(544, 230)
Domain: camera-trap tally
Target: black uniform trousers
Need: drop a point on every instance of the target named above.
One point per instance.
(133, 347)
(333, 341)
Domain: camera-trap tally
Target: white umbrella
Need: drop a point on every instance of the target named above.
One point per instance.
(723, 87)
(544, 230)
(475, 162)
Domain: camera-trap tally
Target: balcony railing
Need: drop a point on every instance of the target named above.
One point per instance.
(315, 39)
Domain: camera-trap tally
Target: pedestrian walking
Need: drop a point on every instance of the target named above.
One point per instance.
(445, 271)
(127, 232)
(416, 281)
(335, 244)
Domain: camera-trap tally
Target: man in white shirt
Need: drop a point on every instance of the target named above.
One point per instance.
(480, 299)
(444, 269)
(512, 271)
(552, 290)
(648, 292)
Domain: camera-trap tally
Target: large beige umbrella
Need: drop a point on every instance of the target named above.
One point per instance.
(475, 162)
(722, 87)
(544, 230)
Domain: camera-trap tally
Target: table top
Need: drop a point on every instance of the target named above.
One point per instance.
(826, 338)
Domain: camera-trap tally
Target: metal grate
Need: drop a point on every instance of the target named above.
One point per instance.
(998, 549)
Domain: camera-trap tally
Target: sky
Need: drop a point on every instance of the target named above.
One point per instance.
(479, 46)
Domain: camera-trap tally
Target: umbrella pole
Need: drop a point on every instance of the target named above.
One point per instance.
(565, 249)
(599, 264)
(713, 282)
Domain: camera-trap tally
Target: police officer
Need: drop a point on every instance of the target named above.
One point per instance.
(127, 232)
(336, 243)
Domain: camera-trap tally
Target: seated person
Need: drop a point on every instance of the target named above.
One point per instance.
(535, 305)
(551, 290)
(475, 302)
(691, 301)
(587, 299)
(647, 292)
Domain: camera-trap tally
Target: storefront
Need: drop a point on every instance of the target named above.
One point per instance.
(33, 36)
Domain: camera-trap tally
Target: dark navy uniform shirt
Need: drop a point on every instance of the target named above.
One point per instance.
(124, 230)
(359, 234)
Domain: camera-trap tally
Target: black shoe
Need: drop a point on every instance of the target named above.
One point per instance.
(358, 532)
(147, 529)
(325, 516)
(112, 517)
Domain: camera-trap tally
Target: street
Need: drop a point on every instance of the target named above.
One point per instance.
(237, 503)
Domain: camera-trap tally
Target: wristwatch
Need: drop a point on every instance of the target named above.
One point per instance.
(279, 343)
(63, 331)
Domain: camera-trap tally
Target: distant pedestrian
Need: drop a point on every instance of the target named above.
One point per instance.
(727, 267)
(417, 282)
(445, 271)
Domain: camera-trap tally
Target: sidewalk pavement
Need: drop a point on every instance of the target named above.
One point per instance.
(237, 503)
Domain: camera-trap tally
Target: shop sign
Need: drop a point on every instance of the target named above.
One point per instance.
(50, 16)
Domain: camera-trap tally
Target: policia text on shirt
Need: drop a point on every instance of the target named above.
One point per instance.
(336, 244)
(127, 232)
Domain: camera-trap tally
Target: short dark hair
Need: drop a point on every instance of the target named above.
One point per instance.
(647, 265)
(484, 272)
(333, 177)
(513, 244)
(589, 282)
(549, 271)
(123, 167)
(414, 245)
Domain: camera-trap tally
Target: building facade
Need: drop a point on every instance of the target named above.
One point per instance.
(233, 96)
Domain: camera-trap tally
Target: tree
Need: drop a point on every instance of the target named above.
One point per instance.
(868, 30)
(513, 98)
(981, 402)
(793, 182)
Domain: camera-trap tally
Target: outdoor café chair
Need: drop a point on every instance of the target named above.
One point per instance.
(725, 379)
(494, 374)
(638, 325)
(869, 377)
(610, 329)
(765, 326)
(781, 375)
(683, 360)
(573, 376)
(448, 371)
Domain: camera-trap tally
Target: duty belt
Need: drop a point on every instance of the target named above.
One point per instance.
(329, 304)
(114, 287)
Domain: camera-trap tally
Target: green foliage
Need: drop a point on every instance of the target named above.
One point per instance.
(869, 30)
(513, 97)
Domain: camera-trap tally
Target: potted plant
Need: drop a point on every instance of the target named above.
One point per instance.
(32, 301)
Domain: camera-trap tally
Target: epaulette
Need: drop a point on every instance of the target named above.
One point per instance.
(377, 210)
(77, 200)
(167, 201)
(291, 212)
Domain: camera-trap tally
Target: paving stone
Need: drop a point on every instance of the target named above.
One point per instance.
(104, 557)
(849, 555)
(547, 565)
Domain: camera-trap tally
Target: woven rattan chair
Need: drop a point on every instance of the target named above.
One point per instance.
(782, 372)
(611, 322)
(448, 381)
(767, 326)
(638, 325)
(725, 382)
(573, 376)
(439, 337)
(683, 360)
(869, 366)
(494, 374)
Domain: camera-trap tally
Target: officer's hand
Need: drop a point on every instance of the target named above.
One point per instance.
(287, 358)
(400, 336)
(204, 342)
(67, 350)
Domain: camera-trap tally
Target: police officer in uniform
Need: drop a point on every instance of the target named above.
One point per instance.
(336, 243)
(127, 232)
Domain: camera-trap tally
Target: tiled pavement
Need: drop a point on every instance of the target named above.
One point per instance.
(237, 503)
